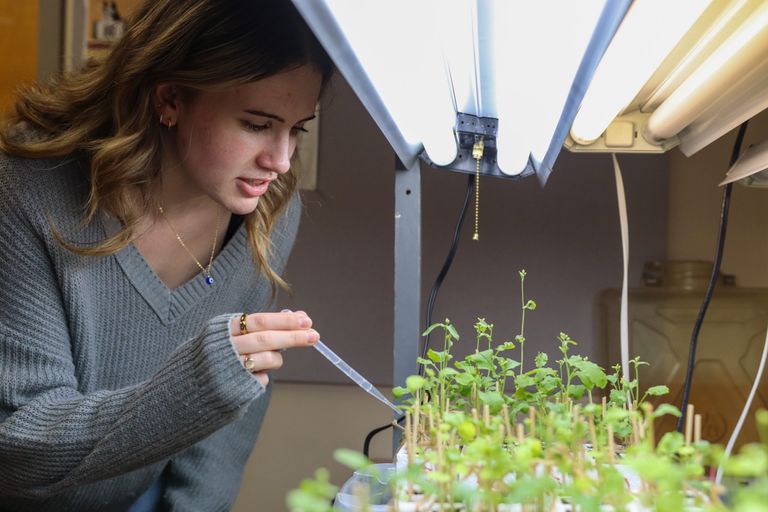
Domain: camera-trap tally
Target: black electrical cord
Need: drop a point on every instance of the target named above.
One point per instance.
(432, 299)
(446, 265)
(712, 281)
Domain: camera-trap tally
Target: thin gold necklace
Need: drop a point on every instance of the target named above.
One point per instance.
(206, 271)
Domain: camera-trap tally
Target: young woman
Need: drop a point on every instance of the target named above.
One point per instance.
(146, 205)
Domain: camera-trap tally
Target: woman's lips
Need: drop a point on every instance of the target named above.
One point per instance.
(252, 187)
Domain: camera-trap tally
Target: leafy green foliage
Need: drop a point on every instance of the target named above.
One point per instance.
(313, 495)
(486, 431)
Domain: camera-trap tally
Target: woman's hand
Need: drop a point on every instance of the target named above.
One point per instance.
(260, 338)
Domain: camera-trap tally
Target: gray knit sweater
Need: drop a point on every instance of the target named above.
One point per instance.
(108, 379)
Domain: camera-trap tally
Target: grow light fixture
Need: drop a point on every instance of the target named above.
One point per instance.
(602, 76)
(709, 74)
(430, 70)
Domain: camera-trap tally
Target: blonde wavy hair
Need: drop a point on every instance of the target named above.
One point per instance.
(105, 113)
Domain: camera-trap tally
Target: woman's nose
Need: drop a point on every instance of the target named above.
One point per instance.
(277, 156)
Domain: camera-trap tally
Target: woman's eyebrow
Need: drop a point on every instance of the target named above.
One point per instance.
(275, 116)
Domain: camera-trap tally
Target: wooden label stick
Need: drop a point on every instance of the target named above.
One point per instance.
(689, 425)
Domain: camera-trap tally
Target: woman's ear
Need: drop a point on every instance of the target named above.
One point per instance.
(166, 101)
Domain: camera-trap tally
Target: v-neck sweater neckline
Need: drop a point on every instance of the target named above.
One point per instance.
(171, 303)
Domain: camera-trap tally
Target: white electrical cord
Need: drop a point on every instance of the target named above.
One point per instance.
(744, 413)
(623, 220)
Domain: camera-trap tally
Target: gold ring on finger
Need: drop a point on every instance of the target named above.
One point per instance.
(250, 362)
(243, 325)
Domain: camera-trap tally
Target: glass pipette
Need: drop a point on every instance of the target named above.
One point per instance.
(352, 374)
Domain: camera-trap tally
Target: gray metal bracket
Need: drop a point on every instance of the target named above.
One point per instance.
(468, 128)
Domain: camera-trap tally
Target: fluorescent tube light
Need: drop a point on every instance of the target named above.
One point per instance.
(533, 72)
(631, 59)
(746, 48)
(742, 101)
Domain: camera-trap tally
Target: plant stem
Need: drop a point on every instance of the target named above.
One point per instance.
(532, 421)
(522, 324)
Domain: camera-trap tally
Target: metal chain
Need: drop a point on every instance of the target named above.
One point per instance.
(477, 153)
(206, 271)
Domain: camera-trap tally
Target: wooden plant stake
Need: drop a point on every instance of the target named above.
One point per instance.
(576, 418)
(416, 414)
(532, 421)
(697, 428)
(592, 432)
(636, 438)
(550, 428)
(520, 433)
(611, 446)
(650, 426)
(689, 425)
(409, 449)
(641, 427)
(507, 425)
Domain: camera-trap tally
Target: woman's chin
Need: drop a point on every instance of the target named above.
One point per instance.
(243, 206)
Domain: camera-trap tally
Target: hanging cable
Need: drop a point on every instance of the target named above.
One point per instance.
(446, 266)
(712, 281)
(432, 298)
(744, 413)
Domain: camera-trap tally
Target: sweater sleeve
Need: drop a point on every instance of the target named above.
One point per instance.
(193, 478)
(52, 435)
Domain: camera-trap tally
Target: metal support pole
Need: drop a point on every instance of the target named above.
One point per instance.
(407, 274)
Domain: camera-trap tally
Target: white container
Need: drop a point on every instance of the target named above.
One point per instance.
(379, 492)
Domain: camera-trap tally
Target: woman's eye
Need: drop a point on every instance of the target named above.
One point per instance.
(300, 129)
(255, 127)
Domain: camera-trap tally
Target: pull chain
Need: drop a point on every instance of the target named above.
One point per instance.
(477, 154)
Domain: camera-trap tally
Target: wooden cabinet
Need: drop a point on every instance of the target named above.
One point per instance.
(18, 47)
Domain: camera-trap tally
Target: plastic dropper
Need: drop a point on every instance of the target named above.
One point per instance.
(350, 372)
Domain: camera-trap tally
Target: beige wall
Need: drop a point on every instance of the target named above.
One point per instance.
(694, 210)
(304, 425)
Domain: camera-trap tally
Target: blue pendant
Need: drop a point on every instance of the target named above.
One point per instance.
(209, 279)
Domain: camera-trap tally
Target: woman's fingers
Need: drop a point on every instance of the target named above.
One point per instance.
(262, 361)
(262, 377)
(271, 322)
(275, 340)
(260, 337)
